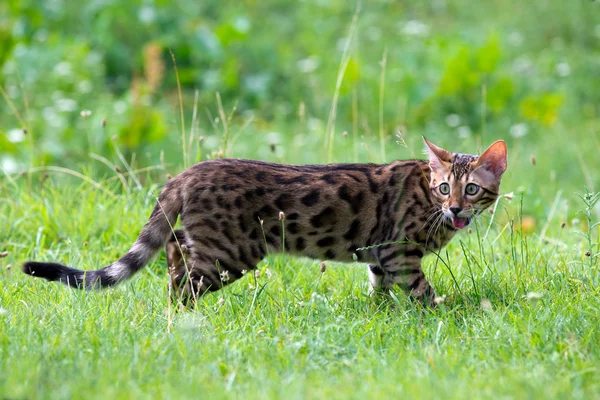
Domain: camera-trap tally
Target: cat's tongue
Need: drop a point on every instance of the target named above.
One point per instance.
(459, 222)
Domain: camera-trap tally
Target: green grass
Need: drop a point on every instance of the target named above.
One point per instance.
(520, 317)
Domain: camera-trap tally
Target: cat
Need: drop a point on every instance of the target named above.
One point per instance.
(234, 211)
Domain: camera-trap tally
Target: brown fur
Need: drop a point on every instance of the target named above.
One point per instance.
(234, 211)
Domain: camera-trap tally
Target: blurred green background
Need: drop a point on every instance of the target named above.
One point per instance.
(76, 74)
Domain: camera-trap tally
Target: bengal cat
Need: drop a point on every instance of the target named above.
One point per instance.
(232, 210)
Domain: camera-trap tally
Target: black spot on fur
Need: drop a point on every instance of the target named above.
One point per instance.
(324, 218)
(229, 188)
(292, 216)
(354, 201)
(226, 230)
(410, 227)
(292, 228)
(276, 230)
(238, 202)
(260, 192)
(353, 230)
(254, 234)
(265, 212)
(242, 224)
(330, 254)
(284, 202)
(413, 253)
(261, 176)
(386, 198)
(376, 269)
(415, 283)
(392, 181)
(329, 178)
(354, 178)
(249, 195)
(206, 203)
(282, 180)
(311, 199)
(378, 215)
(210, 224)
(326, 241)
(385, 260)
(417, 201)
(300, 243)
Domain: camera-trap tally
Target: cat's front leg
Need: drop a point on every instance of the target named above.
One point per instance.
(401, 265)
(379, 281)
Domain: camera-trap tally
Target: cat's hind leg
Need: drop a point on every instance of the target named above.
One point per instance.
(193, 272)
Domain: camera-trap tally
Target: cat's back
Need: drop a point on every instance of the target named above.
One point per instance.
(229, 170)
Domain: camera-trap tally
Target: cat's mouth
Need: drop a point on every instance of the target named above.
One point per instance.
(460, 222)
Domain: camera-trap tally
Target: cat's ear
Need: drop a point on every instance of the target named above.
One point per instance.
(493, 159)
(438, 157)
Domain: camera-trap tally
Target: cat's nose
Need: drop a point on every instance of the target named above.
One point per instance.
(455, 210)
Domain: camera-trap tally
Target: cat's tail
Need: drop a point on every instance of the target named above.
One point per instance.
(152, 238)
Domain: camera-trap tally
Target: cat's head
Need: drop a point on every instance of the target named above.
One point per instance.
(464, 185)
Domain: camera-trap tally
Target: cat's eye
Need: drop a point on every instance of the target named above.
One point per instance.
(471, 189)
(444, 188)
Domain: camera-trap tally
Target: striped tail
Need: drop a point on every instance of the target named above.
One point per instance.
(151, 240)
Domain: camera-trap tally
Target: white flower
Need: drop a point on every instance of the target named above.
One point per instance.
(120, 106)
(308, 65)
(486, 305)
(242, 24)
(268, 273)
(85, 113)
(522, 65)
(453, 120)
(515, 38)
(15, 135)
(8, 164)
(534, 296)
(66, 105)
(563, 69)
(225, 276)
(63, 68)
(415, 28)
(146, 14)
(84, 86)
(518, 130)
